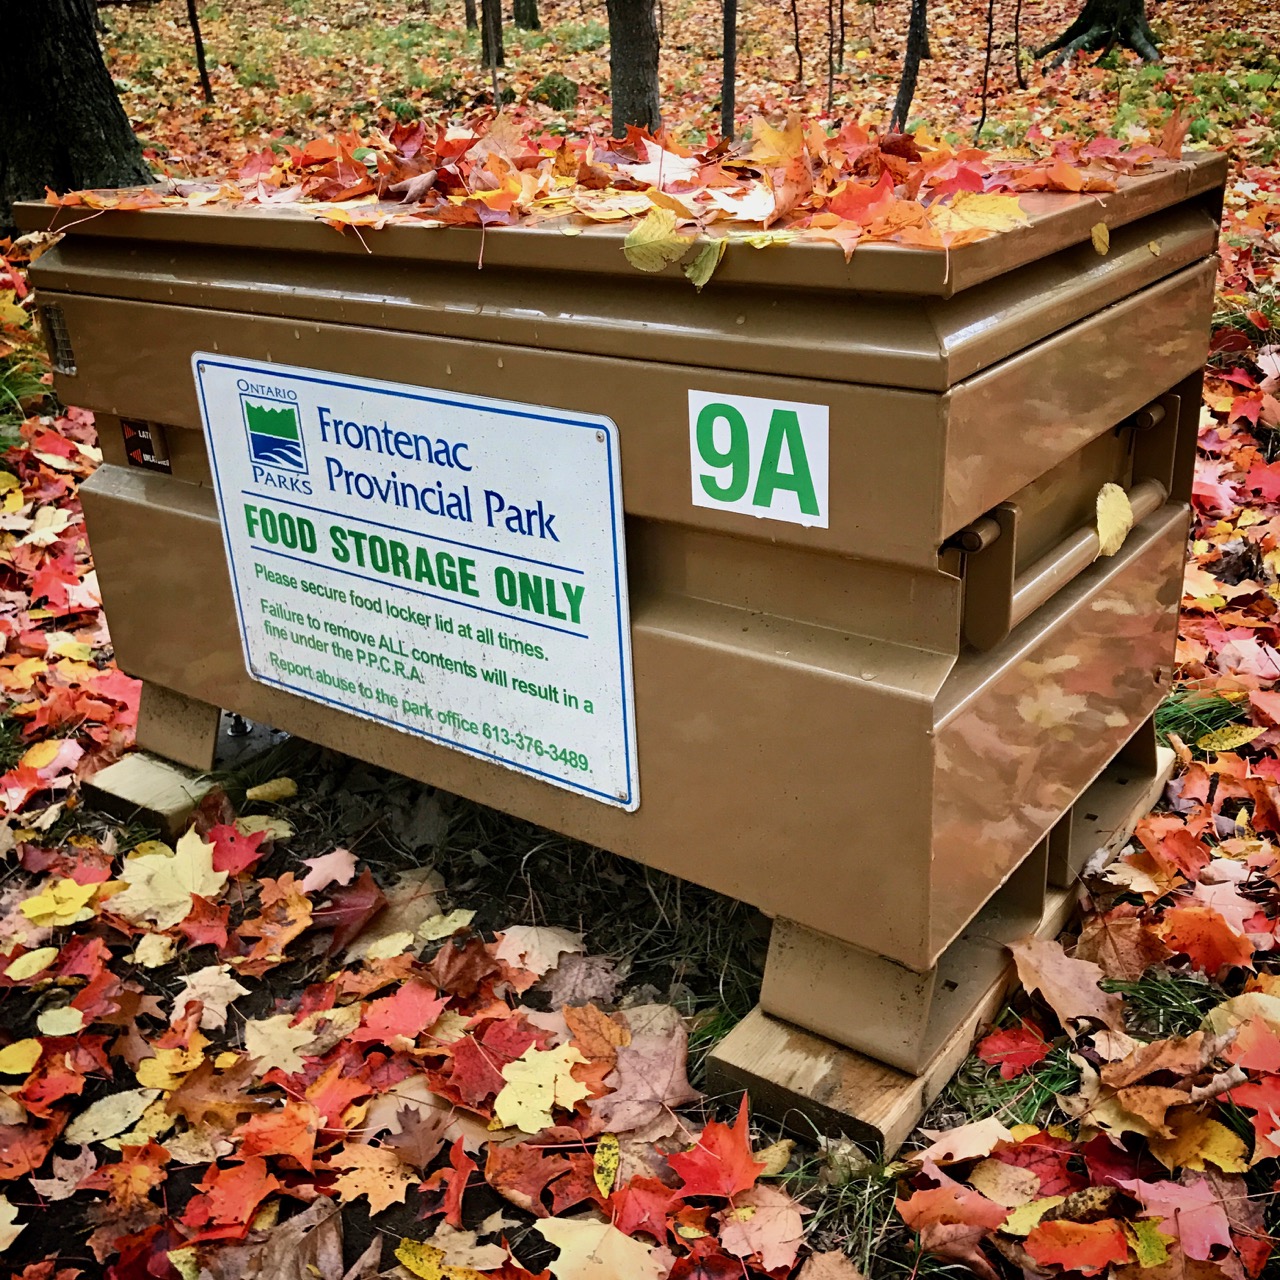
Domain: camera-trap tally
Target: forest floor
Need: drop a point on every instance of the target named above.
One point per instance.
(481, 1043)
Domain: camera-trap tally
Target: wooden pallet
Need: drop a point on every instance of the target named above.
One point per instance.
(807, 1083)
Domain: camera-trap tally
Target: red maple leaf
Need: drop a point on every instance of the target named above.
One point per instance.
(721, 1164)
(1087, 1247)
(291, 1131)
(233, 852)
(521, 1173)
(207, 923)
(1206, 939)
(231, 1195)
(1013, 1050)
(408, 1013)
(643, 1205)
(350, 908)
(454, 1181)
(474, 1077)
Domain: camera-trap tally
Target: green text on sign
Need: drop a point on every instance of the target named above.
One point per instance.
(767, 458)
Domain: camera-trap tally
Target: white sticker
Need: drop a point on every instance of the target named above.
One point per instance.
(449, 565)
(765, 458)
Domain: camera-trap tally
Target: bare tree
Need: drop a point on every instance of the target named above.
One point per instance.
(633, 64)
(1101, 26)
(61, 124)
(729, 37)
(491, 33)
(917, 36)
(194, 18)
(795, 22)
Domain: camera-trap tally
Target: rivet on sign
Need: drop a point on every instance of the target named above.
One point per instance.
(500, 362)
(600, 436)
(448, 368)
(741, 320)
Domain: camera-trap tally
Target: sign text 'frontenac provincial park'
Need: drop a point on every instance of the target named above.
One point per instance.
(447, 564)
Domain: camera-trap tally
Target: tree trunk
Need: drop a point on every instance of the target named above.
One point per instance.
(194, 18)
(61, 124)
(1101, 26)
(469, 9)
(916, 35)
(633, 64)
(795, 23)
(729, 71)
(525, 14)
(491, 33)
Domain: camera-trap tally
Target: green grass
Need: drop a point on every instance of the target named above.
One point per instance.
(1031, 1098)
(1166, 1004)
(20, 385)
(1190, 714)
(11, 743)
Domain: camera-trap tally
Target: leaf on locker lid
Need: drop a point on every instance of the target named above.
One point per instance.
(972, 210)
(1115, 518)
(595, 1250)
(1068, 986)
(654, 242)
(1101, 237)
(703, 264)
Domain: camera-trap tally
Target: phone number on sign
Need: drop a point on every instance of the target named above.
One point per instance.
(523, 742)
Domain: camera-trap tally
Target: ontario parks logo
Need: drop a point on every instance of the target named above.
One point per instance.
(275, 435)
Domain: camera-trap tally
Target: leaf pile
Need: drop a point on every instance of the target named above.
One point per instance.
(796, 183)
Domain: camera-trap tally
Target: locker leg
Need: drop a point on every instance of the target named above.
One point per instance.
(879, 1007)
(177, 727)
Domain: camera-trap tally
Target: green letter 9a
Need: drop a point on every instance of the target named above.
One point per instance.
(737, 455)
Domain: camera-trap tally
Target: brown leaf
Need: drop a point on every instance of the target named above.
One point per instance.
(1121, 943)
(1069, 987)
(595, 1033)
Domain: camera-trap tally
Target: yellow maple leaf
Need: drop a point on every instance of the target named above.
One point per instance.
(427, 1261)
(60, 902)
(653, 241)
(537, 1081)
(1198, 1138)
(976, 210)
(1101, 238)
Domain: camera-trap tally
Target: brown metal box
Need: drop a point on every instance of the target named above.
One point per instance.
(864, 728)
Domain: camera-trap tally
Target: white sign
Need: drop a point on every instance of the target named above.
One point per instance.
(765, 458)
(449, 565)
